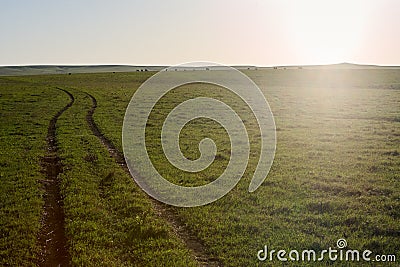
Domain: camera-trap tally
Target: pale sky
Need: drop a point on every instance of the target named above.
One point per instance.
(168, 32)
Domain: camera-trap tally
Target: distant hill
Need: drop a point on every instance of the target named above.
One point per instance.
(53, 69)
(337, 66)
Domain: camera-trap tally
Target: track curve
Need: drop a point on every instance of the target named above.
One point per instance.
(52, 239)
(198, 250)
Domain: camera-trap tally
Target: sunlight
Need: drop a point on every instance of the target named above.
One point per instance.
(326, 31)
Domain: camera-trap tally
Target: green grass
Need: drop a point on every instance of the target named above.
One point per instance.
(335, 175)
(336, 172)
(26, 110)
(109, 222)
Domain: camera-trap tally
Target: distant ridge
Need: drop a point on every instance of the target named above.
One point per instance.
(70, 69)
(67, 69)
(343, 65)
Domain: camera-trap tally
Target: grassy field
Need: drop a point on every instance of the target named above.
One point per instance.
(24, 119)
(336, 172)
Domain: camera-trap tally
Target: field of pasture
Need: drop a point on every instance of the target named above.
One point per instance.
(66, 195)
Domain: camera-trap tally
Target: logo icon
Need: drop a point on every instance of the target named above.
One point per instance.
(341, 243)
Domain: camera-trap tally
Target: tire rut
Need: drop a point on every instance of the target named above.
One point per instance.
(180, 230)
(52, 239)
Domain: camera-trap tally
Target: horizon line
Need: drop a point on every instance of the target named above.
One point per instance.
(230, 65)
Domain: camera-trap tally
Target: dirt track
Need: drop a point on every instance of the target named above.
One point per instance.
(192, 243)
(52, 240)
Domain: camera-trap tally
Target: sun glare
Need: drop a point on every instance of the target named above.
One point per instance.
(326, 31)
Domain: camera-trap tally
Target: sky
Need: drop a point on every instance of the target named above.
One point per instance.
(150, 32)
